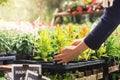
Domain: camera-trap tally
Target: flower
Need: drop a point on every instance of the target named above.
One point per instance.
(74, 12)
(79, 9)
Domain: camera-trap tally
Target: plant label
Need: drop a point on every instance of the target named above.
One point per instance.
(19, 70)
(34, 76)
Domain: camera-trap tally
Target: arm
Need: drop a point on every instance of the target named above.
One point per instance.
(108, 23)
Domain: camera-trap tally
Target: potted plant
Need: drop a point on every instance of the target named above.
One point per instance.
(6, 44)
(23, 46)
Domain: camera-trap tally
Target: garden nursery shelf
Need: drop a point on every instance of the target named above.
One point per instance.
(91, 69)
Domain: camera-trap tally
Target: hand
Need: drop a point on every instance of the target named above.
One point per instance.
(67, 54)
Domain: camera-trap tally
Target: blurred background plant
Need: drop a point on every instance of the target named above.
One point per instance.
(2, 2)
(7, 39)
(47, 8)
(28, 10)
(79, 6)
(19, 10)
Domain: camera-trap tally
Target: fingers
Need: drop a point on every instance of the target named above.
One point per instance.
(62, 61)
(58, 57)
(65, 55)
(59, 62)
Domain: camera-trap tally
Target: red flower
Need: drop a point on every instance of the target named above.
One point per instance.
(79, 9)
(89, 11)
(74, 12)
(93, 1)
(88, 7)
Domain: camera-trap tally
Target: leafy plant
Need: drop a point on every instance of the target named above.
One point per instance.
(24, 44)
(6, 41)
(86, 55)
(115, 76)
(3, 2)
(2, 73)
(43, 44)
(50, 41)
(65, 76)
(100, 53)
(113, 45)
(62, 37)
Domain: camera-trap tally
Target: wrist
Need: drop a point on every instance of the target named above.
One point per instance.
(81, 47)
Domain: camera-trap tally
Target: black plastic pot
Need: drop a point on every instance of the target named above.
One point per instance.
(7, 60)
(1, 54)
(25, 62)
(23, 57)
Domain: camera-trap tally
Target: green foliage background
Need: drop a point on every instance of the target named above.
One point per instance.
(29, 10)
(3, 1)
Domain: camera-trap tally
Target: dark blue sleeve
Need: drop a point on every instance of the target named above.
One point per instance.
(107, 24)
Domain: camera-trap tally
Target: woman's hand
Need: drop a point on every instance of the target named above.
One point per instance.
(69, 53)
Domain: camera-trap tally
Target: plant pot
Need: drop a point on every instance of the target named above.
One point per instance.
(23, 56)
(25, 62)
(7, 60)
(1, 54)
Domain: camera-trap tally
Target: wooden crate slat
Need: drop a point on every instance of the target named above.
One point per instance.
(92, 77)
(113, 68)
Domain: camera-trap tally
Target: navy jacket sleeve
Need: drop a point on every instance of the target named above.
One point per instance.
(107, 24)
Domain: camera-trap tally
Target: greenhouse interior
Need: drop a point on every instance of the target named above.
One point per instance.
(59, 40)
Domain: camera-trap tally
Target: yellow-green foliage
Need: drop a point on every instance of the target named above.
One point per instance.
(51, 40)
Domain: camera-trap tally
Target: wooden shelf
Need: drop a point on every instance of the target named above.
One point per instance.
(83, 13)
(113, 68)
(64, 13)
(6, 68)
(92, 77)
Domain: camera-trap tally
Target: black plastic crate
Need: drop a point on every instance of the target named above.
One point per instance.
(7, 60)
